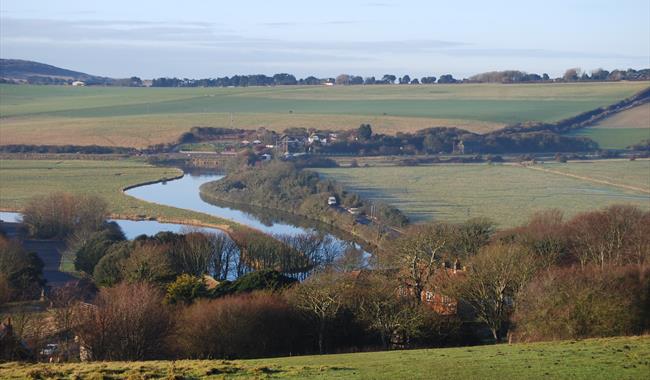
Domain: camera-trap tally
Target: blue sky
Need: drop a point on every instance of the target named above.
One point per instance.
(192, 38)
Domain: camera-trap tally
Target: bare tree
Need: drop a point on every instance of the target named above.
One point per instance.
(491, 283)
(127, 322)
(612, 235)
(59, 214)
(379, 304)
(225, 257)
(572, 74)
(193, 253)
(320, 297)
(149, 262)
(418, 254)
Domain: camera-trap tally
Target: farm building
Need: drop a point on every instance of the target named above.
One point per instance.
(430, 296)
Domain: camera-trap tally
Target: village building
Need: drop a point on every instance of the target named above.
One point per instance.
(459, 147)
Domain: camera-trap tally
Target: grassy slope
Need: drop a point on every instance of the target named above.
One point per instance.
(143, 116)
(508, 194)
(620, 358)
(620, 130)
(22, 179)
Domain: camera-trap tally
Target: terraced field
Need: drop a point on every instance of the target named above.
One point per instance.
(508, 194)
(143, 116)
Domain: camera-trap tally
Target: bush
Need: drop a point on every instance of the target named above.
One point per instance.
(573, 303)
(21, 272)
(269, 280)
(185, 289)
(128, 322)
(96, 247)
(58, 215)
(247, 326)
(109, 271)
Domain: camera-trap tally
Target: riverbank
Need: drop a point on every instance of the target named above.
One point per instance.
(281, 187)
(110, 180)
(274, 215)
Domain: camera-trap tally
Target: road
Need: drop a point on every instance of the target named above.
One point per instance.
(48, 250)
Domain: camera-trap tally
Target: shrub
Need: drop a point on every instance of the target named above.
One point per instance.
(269, 280)
(59, 214)
(185, 289)
(96, 247)
(574, 303)
(128, 322)
(109, 271)
(149, 262)
(245, 326)
(21, 272)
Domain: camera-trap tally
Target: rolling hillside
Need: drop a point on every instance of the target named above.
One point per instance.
(138, 117)
(21, 71)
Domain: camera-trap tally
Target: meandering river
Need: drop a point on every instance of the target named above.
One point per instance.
(184, 193)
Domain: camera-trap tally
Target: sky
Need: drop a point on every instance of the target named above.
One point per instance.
(198, 39)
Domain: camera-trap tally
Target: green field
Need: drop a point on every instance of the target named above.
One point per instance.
(620, 130)
(143, 116)
(507, 194)
(22, 179)
(614, 138)
(613, 358)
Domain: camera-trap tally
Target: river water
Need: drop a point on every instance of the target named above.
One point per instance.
(184, 193)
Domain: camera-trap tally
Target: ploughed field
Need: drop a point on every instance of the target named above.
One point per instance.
(20, 180)
(138, 117)
(611, 358)
(506, 193)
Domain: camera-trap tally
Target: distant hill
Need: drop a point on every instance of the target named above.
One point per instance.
(21, 71)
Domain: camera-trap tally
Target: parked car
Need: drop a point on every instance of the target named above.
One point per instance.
(49, 349)
(331, 201)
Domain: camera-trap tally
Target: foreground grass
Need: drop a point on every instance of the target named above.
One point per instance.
(613, 358)
(21, 180)
(143, 116)
(507, 194)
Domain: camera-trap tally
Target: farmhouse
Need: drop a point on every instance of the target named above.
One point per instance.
(290, 143)
(431, 296)
(437, 300)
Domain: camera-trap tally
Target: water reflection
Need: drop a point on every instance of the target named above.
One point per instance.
(135, 228)
(184, 193)
(131, 228)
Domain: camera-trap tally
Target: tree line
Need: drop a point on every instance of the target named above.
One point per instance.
(284, 186)
(508, 76)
